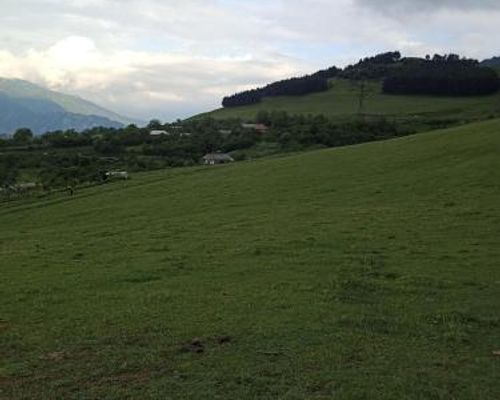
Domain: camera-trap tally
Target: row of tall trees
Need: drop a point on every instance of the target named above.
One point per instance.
(442, 75)
(68, 158)
(447, 74)
(367, 68)
(376, 67)
(316, 82)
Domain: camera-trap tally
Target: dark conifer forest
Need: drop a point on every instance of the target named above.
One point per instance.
(317, 82)
(448, 75)
(442, 75)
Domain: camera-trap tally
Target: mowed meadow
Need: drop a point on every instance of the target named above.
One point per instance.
(369, 271)
(342, 101)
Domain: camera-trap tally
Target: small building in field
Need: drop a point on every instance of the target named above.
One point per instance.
(261, 128)
(217, 158)
(22, 187)
(159, 133)
(118, 175)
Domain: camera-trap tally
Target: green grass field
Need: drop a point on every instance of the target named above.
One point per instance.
(342, 100)
(364, 272)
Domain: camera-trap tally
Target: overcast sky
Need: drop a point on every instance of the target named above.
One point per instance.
(171, 59)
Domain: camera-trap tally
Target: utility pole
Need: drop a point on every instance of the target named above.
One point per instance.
(362, 97)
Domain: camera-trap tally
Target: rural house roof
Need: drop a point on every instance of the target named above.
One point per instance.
(257, 127)
(218, 157)
(156, 132)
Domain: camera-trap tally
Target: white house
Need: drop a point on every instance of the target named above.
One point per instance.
(117, 175)
(261, 128)
(159, 133)
(217, 158)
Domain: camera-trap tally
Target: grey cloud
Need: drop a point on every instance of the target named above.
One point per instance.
(180, 89)
(413, 6)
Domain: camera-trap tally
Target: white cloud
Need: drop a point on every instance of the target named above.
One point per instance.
(132, 81)
(73, 52)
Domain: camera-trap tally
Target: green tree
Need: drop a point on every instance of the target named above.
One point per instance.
(263, 117)
(8, 171)
(155, 124)
(23, 135)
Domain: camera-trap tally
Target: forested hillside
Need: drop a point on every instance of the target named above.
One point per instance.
(447, 75)
(444, 76)
(317, 82)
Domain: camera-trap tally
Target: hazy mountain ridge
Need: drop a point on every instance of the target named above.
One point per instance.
(42, 116)
(491, 62)
(24, 104)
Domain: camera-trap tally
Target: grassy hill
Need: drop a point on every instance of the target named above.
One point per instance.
(42, 116)
(360, 272)
(342, 100)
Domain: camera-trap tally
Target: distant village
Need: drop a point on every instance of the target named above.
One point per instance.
(67, 160)
(113, 151)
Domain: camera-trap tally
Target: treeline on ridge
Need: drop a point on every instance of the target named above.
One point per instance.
(376, 67)
(317, 82)
(442, 75)
(448, 75)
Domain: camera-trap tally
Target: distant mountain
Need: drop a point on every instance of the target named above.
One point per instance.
(42, 116)
(24, 104)
(491, 62)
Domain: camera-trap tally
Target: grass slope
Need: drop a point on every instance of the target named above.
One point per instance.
(361, 272)
(343, 99)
